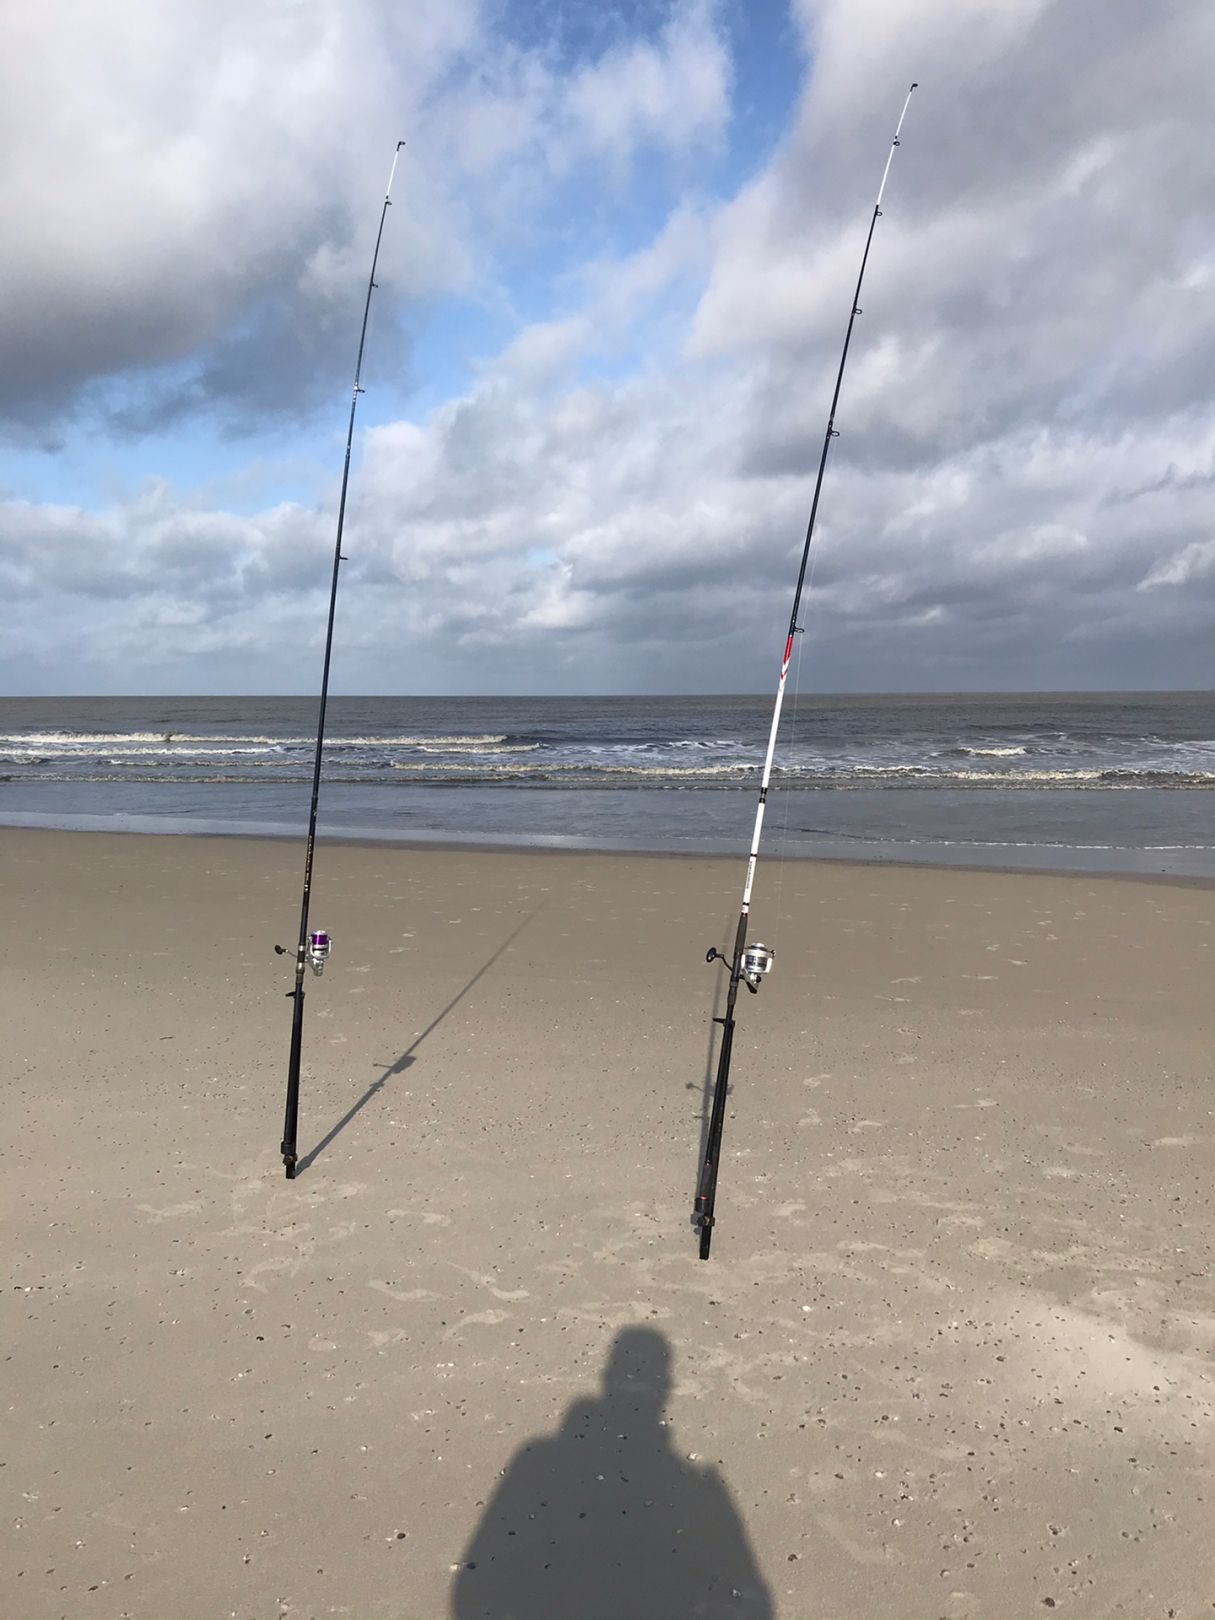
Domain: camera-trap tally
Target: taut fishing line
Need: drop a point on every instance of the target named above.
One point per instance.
(750, 963)
(314, 944)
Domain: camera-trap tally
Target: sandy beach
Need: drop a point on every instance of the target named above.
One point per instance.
(952, 1355)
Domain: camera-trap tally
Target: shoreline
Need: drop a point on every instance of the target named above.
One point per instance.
(864, 855)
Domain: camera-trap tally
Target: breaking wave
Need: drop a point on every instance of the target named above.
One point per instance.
(474, 746)
(78, 740)
(700, 743)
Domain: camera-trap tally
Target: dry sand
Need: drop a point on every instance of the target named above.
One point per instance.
(952, 1355)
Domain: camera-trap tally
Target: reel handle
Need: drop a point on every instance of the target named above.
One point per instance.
(714, 955)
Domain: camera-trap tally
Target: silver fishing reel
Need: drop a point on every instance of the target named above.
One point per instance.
(757, 960)
(317, 952)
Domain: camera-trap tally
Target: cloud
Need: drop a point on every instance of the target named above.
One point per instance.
(174, 167)
(195, 190)
(673, 91)
(617, 498)
(1041, 246)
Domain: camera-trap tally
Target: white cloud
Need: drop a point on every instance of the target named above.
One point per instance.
(188, 177)
(1020, 494)
(673, 91)
(1192, 563)
(170, 164)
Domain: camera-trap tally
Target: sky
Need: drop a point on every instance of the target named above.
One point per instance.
(612, 293)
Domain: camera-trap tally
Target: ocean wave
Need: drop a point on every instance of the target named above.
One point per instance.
(992, 753)
(574, 768)
(579, 778)
(495, 747)
(237, 737)
(191, 750)
(456, 740)
(1058, 774)
(1081, 776)
(165, 751)
(1153, 776)
(77, 741)
(466, 758)
(859, 768)
(91, 738)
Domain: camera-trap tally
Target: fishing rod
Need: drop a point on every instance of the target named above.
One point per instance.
(750, 963)
(315, 944)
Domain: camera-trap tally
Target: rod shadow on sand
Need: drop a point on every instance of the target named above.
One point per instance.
(400, 1064)
(605, 1517)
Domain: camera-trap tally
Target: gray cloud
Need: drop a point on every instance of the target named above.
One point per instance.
(1021, 492)
(194, 191)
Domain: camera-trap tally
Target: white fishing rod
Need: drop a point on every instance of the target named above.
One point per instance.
(314, 945)
(749, 963)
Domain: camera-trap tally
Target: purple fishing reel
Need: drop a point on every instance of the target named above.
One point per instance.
(319, 946)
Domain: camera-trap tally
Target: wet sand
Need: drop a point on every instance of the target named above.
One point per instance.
(952, 1355)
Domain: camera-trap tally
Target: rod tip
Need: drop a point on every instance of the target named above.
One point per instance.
(915, 86)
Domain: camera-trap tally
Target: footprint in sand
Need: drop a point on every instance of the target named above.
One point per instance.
(411, 1296)
(169, 1213)
(479, 1318)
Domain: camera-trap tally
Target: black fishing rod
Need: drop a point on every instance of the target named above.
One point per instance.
(314, 946)
(749, 963)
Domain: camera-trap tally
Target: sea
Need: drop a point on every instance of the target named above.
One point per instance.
(1109, 782)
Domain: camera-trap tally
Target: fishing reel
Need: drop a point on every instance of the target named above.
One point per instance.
(315, 952)
(757, 960)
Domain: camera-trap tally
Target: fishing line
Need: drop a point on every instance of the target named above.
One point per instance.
(750, 963)
(315, 944)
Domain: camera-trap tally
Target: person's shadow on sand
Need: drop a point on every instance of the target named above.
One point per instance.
(603, 1521)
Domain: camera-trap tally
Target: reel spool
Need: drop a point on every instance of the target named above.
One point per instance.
(317, 953)
(757, 960)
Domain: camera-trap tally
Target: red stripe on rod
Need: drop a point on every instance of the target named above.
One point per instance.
(789, 647)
